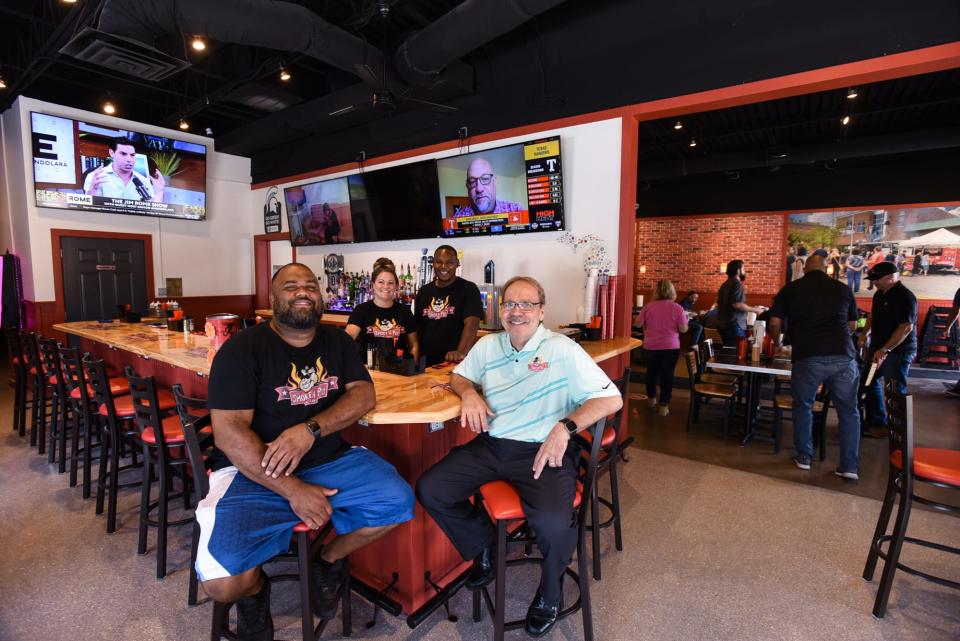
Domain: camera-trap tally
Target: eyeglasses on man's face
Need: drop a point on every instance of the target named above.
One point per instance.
(483, 179)
(523, 305)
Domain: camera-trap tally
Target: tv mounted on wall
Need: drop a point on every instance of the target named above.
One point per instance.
(396, 203)
(91, 167)
(505, 190)
(319, 213)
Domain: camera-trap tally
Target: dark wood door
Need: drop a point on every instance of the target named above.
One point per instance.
(101, 273)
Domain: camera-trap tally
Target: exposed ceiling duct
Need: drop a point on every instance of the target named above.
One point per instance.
(900, 143)
(261, 23)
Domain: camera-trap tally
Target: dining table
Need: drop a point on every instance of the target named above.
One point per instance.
(726, 361)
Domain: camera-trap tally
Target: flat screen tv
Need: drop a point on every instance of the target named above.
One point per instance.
(91, 167)
(506, 190)
(319, 213)
(396, 203)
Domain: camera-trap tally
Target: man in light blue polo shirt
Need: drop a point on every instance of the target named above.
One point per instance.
(538, 388)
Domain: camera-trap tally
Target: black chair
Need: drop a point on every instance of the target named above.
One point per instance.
(611, 446)
(36, 384)
(503, 505)
(700, 391)
(306, 545)
(936, 467)
(783, 403)
(162, 441)
(118, 437)
(56, 392)
(15, 351)
(81, 400)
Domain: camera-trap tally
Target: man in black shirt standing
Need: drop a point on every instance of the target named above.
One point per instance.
(279, 394)
(891, 333)
(732, 305)
(448, 311)
(821, 314)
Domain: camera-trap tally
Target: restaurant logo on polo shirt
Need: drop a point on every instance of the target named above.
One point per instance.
(537, 365)
(383, 328)
(308, 386)
(439, 308)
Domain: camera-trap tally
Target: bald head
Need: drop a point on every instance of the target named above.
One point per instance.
(815, 263)
(483, 197)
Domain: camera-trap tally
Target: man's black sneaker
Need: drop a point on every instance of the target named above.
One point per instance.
(484, 569)
(803, 462)
(327, 585)
(254, 622)
(541, 616)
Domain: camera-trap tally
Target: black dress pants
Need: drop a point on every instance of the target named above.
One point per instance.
(445, 489)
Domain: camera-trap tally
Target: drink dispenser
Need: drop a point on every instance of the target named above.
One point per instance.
(490, 294)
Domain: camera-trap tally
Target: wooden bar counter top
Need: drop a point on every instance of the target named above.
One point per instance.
(412, 426)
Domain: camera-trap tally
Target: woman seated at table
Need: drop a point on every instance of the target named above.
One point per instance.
(382, 321)
(663, 320)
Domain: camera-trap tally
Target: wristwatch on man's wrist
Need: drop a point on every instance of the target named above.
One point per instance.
(570, 425)
(313, 427)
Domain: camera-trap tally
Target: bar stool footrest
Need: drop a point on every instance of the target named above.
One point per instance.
(913, 571)
(520, 623)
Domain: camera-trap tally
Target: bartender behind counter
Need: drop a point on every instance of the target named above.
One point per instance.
(448, 311)
(383, 322)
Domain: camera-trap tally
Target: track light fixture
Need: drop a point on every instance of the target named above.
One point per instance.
(198, 43)
(285, 74)
(678, 126)
(845, 121)
(109, 108)
(184, 125)
(3, 83)
(852, 93)
(693, 142)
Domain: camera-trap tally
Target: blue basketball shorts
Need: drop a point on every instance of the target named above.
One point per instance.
(243, 524)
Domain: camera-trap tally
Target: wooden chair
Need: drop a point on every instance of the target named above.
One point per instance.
(702, 391)
(908, 465)
(783, 403)
(705, 351)
(502, 503)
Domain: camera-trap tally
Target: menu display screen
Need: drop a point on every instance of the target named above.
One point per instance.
(513, 189)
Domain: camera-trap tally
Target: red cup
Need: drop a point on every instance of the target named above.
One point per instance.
(220, 327)
(742, 348)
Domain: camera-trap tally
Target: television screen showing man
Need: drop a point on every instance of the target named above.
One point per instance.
(119, 179)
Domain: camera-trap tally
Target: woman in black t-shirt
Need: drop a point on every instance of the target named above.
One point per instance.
(383, 321)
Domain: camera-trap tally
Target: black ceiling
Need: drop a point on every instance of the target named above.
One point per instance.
(577, 57)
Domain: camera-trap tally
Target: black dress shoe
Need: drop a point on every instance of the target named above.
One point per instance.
(541, 616)
(484, 569)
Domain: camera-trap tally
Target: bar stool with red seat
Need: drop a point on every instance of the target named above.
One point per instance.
(502, 503)
(306, 544)
(162, 441)
(56, 391)
(613, 443)
(36, 383)
(81, 401)
(936, 467)
(15, 351)
(117, 434)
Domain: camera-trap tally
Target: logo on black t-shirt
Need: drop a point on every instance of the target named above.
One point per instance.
(308, 386)
(383, 328)
(439, 308)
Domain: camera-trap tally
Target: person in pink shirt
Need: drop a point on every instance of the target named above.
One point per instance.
(663, 320)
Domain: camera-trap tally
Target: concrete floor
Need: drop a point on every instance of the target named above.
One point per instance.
(711, 552)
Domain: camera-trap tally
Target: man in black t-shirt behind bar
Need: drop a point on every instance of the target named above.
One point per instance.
(892, 335)
(279, 394)
(448, 311)
(821, 314)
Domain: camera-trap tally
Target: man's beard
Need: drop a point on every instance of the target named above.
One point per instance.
(743, 277)
(296, 318)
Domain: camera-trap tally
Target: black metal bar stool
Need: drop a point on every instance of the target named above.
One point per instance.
(35, 382)
(610, 448)
(162, 441)
(55, 391)
(306, 544)
(502, 503)
(937, 467)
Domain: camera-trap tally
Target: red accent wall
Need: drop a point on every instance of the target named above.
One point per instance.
(689, 250)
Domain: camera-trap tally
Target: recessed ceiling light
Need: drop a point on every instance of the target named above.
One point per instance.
(184, 125)
(198, 43)
(69, 1)
(845, 121)
(852, 93)
(284, 74)
(108, 108)
(678, 126)
(693, 142)
(3, 83)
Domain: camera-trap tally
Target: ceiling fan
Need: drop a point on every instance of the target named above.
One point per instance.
(382, 98)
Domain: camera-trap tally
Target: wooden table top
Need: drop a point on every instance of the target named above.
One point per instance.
(424, 398)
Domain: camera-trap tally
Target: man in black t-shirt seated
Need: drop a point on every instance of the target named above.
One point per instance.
(448, 311)
(891, 333)
(279, 394)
